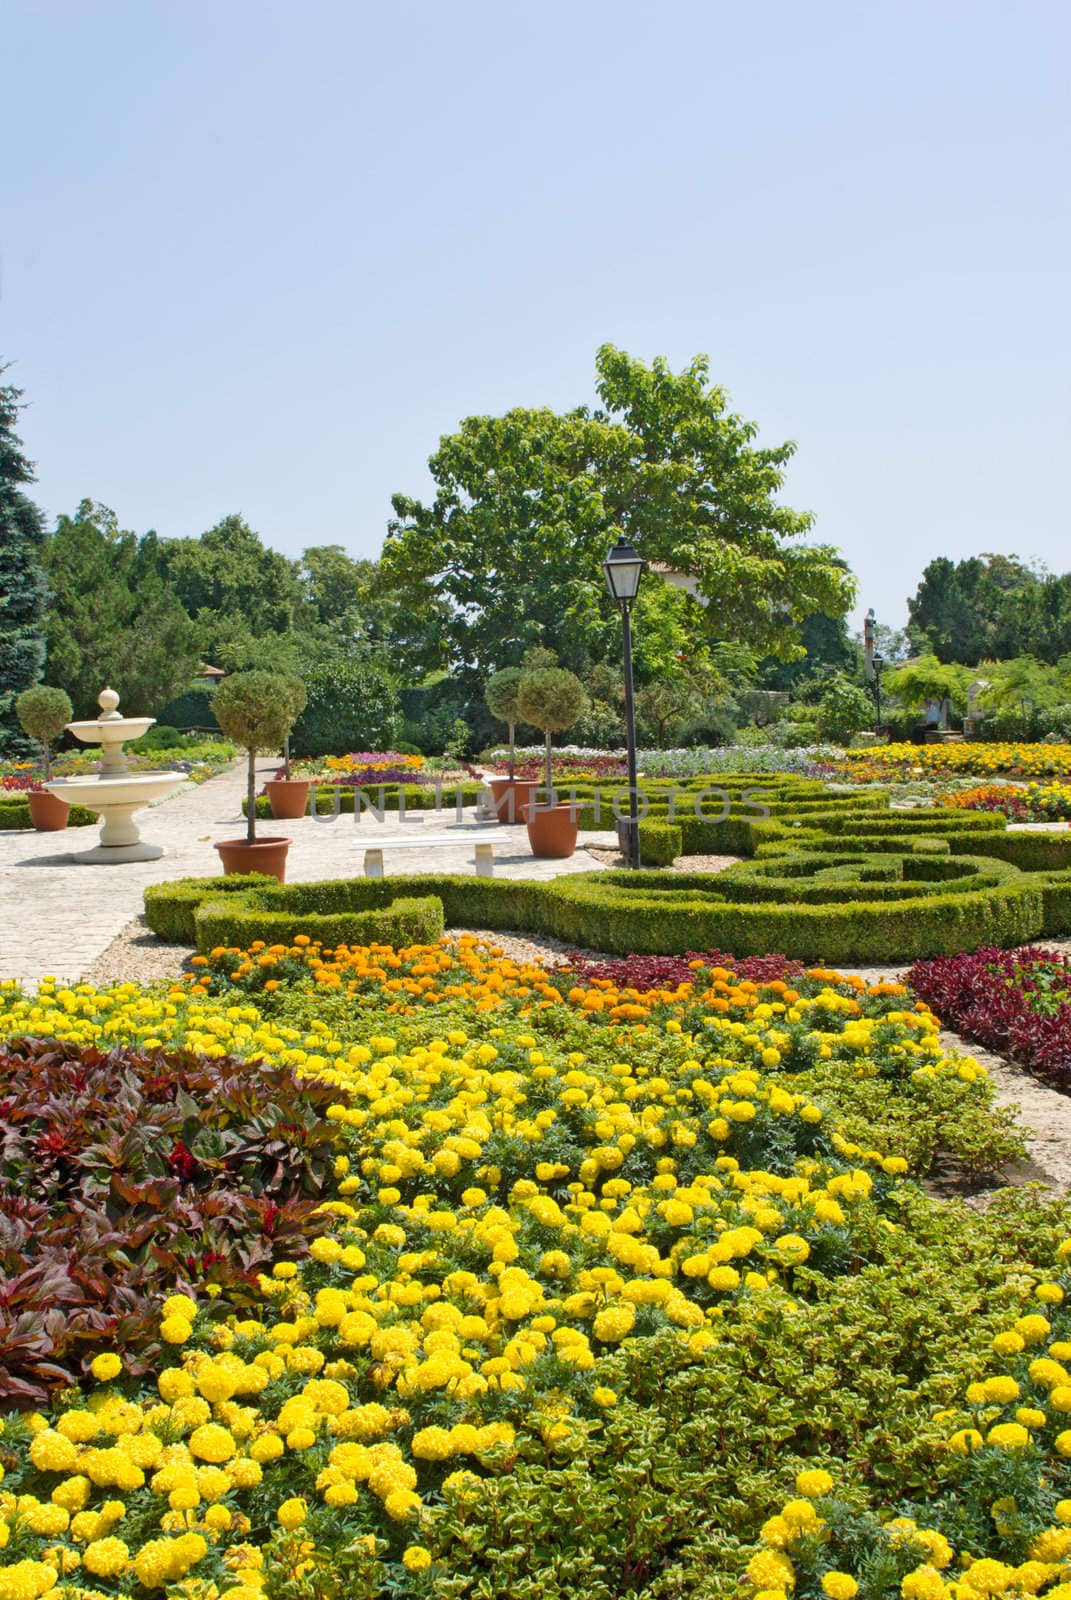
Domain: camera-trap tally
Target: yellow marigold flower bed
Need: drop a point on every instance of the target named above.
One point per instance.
(374, 763)
(1017, 1454)
(980, 759)
(541, 1186)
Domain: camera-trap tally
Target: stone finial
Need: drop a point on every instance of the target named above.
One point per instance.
(108, 700)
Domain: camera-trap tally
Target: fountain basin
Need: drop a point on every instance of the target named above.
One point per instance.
(114, 791)
(96, 731)
(117, 799)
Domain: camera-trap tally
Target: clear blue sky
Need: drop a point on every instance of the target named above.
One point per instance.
(258, 257)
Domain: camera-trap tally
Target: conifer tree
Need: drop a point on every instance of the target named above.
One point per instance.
(23, 586)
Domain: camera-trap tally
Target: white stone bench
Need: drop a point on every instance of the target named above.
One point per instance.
(484, 840)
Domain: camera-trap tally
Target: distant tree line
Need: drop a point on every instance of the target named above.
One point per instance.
(989, 608)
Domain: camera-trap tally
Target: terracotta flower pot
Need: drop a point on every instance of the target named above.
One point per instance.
(266, 855)
(47, 811)
(552, 831)
(510, 797)
(288, 797)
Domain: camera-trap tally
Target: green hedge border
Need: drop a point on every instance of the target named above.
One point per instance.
(830, 877)
(409, 919)
(15, 814)
(620, 913)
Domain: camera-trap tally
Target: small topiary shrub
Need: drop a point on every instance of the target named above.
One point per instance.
(501, 694)
(257, 711)
(43, 714)
(551, 699)
(660, 843)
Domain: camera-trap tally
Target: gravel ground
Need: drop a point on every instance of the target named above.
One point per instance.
(527, 947)
(613, 858)
(136, 955)
(1044, 1115)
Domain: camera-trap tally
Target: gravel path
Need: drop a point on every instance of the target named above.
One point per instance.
(610, 856)
(136, 955)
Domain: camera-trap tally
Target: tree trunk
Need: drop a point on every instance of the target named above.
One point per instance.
(512, 742)
(251, 800)
(286, 758)
(48, 760)
(550, 775)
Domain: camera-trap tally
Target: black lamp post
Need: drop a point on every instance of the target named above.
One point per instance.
(623, 570)
(877, 662)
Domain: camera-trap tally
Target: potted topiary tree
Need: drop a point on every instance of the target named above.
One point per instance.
(256, 710)
(289, 796)
(551, 699)
(43, 714)
(507, 794)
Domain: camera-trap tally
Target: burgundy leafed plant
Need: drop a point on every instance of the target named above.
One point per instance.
(666, 972)
(1016, 1002)
(149, 1172)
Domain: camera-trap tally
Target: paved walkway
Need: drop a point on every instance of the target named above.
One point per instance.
(59, 916)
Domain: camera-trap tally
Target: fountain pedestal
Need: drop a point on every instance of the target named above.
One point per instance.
(114, 790)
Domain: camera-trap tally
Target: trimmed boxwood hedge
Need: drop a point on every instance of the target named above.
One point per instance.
(778, 794)
(823, 879)
(834, 878)
(418, 797)
(170, 907)
(408, 920)
(15, 813)
(625, 913)
(660, 843)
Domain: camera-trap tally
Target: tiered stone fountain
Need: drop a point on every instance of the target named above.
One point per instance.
(114, 790)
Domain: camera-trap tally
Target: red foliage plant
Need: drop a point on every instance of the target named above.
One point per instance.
(133, 1174)
(1017, 1002)
(666, 972)
(532, 769)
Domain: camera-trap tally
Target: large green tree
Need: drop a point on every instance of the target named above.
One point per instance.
(969, 611)
(231, 583)
(334, 583)
(348, 602)
(23, 585)
(527, 504)
(1037, 619)
(828, 649)
(113, 618)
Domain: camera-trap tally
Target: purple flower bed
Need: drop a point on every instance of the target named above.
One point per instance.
(362, 777)
(1017, 1002)
(361, 768)
(665, 972)
(531, 769)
